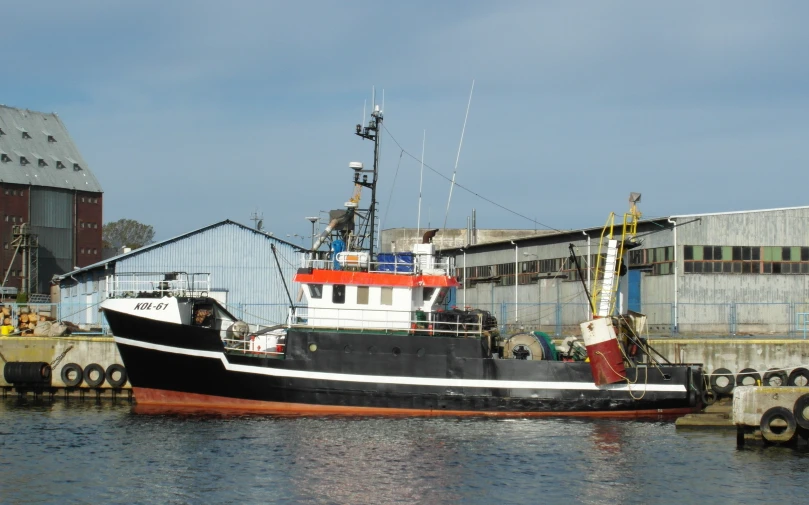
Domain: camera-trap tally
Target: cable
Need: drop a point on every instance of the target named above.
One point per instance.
(467, 189)
(392, 187)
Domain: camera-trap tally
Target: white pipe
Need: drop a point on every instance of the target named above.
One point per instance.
(464, 278)
(516, 282)
(589, 287)
(674, 227)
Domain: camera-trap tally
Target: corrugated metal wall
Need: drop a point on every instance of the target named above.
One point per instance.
(52, 219)
(239, 260)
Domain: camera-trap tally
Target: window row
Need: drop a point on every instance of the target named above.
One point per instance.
(13, 219)
(745, 253)
(14, 192)
(745, 267)
(338, 294)
(41, 161)
(88, 251)
(89, 200)
(27, 136)
(93, 226)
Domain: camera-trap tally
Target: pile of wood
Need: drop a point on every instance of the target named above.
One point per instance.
(26, 320)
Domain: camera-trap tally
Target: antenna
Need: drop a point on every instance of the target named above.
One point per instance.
(458, 157)
(421, 179)
(258, 220)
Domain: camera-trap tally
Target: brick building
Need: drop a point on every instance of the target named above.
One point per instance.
(47, 195)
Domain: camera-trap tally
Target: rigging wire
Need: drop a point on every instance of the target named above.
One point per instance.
(392, 187)
(468, 190)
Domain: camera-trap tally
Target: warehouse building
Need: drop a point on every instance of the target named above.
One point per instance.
(50, 211)
(235, 262)
(715, 274)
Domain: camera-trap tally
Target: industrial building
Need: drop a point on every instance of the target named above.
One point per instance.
(51, 206)
(731, 273)
(236, 263)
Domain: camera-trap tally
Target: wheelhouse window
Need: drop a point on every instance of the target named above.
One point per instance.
(338, 293)
(387, 296)
(362, 295)
(316, 291)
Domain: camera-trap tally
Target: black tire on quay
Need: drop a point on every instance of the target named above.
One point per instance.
(88, 371)
(726, 389)
(748, 372)
(797, 374)
(76, 380)
(780, 436)
(709, 397)
(116, 383)
(773, 376)
(799, 410)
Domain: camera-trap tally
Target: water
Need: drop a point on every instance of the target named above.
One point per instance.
(80, 452)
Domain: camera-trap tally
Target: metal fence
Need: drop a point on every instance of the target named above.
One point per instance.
(789, 319)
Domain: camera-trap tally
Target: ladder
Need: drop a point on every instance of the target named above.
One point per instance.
(608, 284)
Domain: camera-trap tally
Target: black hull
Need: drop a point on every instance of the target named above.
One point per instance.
(354, 373)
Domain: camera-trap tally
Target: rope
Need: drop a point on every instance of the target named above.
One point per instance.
(628, 382)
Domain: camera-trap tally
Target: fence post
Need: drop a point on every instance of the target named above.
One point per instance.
(558, 319)
(732, 318)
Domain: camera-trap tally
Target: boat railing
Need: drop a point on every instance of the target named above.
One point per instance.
(449, 323)
(139, 284)
(388, 267)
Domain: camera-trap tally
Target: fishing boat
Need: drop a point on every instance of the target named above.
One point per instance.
(375, 337)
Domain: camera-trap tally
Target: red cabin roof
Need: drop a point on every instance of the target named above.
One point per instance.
(318, 276)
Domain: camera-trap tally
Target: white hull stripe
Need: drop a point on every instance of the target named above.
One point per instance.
(410, 381)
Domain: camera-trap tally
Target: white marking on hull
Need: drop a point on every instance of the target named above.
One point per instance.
(410, 381)
(163, 309)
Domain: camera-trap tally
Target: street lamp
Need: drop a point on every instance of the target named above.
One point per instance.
(516, 282)
(313, 220)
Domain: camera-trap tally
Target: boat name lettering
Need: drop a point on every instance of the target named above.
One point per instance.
(151, 306)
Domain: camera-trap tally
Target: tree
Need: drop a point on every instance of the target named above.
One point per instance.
(127, 233)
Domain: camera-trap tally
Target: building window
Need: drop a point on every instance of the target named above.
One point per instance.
(4, 158)
(23, 160)
(95, 226)
(59, 164)
(26, 135)
(42, 163)
(95, 251)
(338, 293)
(82, 250)
(14, 192)
(76, 167)
(5, 245)
(362, 295)
(82, 224)
(82, 199)
(387, 296)
(51, 139)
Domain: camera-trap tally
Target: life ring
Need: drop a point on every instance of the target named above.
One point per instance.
(726, 389)
(784, 434)
(774, 377)
(748, 372)
(88, 371)
(75, 369)
(800, 410)
(796, 374)
(116, 383)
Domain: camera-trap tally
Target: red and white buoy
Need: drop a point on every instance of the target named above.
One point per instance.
(606, 359)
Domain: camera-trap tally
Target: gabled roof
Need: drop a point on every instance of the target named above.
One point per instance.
(30, 134)
(155, 245)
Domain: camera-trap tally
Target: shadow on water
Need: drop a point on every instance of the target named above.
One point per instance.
(83, 452)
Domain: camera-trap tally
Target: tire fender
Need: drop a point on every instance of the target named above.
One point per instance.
(796, 374)
(722, 390)
(748, 372)
(115, 367)
(77, 370)
(778, 413)
(98, 381)
(800, 411)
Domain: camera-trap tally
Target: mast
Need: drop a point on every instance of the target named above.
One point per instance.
(371, 132)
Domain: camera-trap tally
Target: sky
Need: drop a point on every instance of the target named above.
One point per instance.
(191, 112)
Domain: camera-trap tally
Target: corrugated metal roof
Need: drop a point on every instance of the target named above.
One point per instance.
(14, 122)
(150, 247)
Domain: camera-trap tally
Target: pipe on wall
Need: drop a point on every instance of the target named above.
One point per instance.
(674, 228)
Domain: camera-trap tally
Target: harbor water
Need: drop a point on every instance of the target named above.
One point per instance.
(83, 452)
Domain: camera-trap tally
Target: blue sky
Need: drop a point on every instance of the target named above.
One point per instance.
(190, 112)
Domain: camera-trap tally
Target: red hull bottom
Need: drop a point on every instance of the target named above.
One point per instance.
(157, 401)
